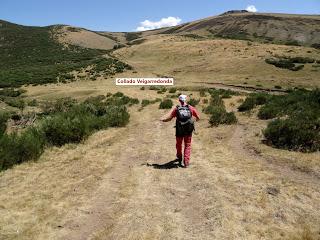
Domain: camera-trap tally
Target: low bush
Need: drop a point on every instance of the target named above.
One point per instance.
(11, 92)
(116, 116)
(4, 116)
(247, 105)
(316, 45)
(298, 124)
(290, 62)
(15, 149)
(60, 105)
(297, 134)
(66, 122)
(162, 90)
(280, 63)
(166, 104)
(268, 112)
(172, 90)
(193, 102)
(253, 100)
(220, 116)
(33, 103)
(296, 101)
(218, 113)
(145, 102)
(203, 92)
(15, 102)
(155, 88)
(66, 128)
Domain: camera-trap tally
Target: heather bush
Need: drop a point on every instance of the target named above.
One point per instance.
(296, 133)
(220, 116)
(17, 148)
(172, 90)
(4, 116)
(166, 104)
(193, 102)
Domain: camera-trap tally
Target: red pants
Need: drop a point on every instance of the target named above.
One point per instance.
(187, 148)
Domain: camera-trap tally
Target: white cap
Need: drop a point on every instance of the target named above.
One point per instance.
(183, 98)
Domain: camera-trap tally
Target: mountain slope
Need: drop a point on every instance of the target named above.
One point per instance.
(273, 28)
(83, 38)
(33, 55)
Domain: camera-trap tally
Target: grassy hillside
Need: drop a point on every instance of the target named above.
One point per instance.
(199, 61)
(267, 28)
(31, 55)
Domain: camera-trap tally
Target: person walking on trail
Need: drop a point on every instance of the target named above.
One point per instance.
(184, 115)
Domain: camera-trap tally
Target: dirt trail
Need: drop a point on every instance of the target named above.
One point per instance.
(225, 194)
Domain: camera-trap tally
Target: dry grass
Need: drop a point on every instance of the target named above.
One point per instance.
(84, 38)
(103, 189)
(226, 61)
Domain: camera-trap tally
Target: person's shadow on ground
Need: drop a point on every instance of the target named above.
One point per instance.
(168, 165)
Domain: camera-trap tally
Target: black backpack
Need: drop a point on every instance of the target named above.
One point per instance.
(184, 122)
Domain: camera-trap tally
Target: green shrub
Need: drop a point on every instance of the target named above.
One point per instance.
(142, 88)
(166, 104)
(116, 116)
(296, 101)
(253, 100)
(4, 116)
(133, 101)
(205, 101)
(248, 104)
(15, 149)
(10, 92)
(60, 105)
(216, 100)
(220, 116)
(193, 102)
(280, 63)
(162, 90)
(118, 94)
(297, 134)
(292, 43)
(172, 90)
(202, 92)
(316, 45)
(268, 112)
(66, 128)
(33, 103)
(145, 102)
(15, 102)
(156, 88)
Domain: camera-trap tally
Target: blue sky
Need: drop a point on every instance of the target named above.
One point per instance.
(111, 15)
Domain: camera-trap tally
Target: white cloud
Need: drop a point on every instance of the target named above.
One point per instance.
(251, 8)
(164, 22)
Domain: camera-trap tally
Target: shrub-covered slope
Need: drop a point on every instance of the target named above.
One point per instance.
(32, 55)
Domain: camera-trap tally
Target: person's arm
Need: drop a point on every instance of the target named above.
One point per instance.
(168, 117)
(195, 114)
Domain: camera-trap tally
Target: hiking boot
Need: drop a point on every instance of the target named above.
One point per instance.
(179, 159)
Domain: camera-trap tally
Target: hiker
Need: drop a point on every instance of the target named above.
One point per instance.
(184, 114)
